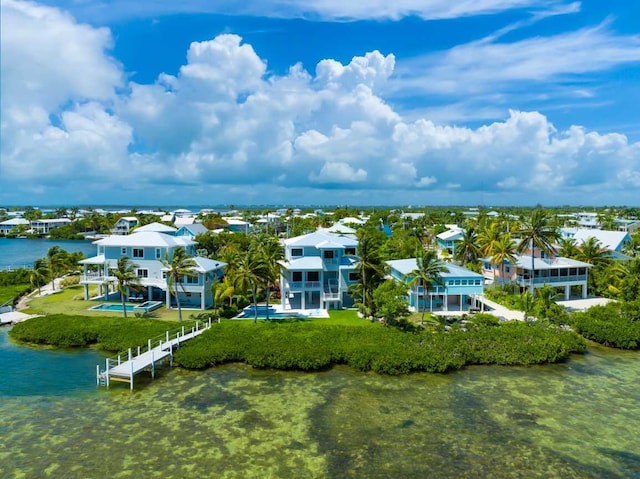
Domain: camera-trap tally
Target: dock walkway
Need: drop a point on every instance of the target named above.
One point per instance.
(124, 370)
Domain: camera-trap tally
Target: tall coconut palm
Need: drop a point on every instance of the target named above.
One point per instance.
(178, 266)
(467, 250)
(503, 250)
(370, 266)
(488, 237)
(38, 275)
(537, 232)
(271, 253)
(125, 274)
(427, 272)
(247, 274)
(57, 260)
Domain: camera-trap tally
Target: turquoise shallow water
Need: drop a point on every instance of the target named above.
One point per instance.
(578, 419)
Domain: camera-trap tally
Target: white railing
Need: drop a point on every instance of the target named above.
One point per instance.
(331, 296)
(552, 279)
(312, 284)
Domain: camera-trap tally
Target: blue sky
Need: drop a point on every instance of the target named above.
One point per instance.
(492, 102)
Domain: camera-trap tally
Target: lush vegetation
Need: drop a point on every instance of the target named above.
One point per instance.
(311, 346)
(616, 324)
(112, 334)
(14, 284)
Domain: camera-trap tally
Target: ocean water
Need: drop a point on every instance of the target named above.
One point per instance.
(20, 252)
(579, 419)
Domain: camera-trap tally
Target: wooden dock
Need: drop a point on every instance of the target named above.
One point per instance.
(123, 368)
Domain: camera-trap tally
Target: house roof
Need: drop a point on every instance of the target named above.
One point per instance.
(451, 235)
(205, 265)
(351, 220)
(195, 229)
(128, 218)
(304, 263)
(15, 222)
(320, 237)
(612, 240)
(338, 228)
(100, 259)
(146, 238)
(406, 266)
(524, 261)
(156, 228)
(184, 220)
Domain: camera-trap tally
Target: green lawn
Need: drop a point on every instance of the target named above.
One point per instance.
(7, 293)
(70, 301)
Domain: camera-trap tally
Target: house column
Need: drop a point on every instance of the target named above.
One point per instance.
(584, 290)
(446, 301)
(567, 292)
(202, 298)
(461, 302)
(149, 293)
(86, 292)
(304, 299)
(167, 298)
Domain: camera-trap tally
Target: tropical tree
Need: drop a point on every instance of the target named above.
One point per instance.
(270, 253)
(503, 250)
(547, 296)
(591, 251)
(370, 267)
(569, 248)
(427, 272)
(178, 266)
(467, 250)
(537, 232)
(127, 279)
(390, 299)
(57, 260)
(247, 274)
(488, 237)
(38, 275)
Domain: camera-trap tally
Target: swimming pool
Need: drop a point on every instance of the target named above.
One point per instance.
(135, 308)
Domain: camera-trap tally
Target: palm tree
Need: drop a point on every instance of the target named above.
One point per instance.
(38, 275)
(592, 252)
(56, 262)
(537, 232)
(488, 236)
(178, 266)
(548, 296)
(569, 248)
(125, 274)
(467, 250)
(271, 253)
(247, 273)
(504, 250)
(426, 273)
(370, 266)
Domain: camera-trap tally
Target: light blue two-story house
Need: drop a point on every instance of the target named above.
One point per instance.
(146, 250)
(457, 291)
(318, 269)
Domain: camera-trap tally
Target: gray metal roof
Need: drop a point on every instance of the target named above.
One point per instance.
(406, 266)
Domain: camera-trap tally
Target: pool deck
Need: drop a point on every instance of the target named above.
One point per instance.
(278, 309)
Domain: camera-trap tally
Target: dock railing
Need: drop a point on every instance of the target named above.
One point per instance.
(156, 349)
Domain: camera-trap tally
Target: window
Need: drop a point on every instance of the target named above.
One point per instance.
(354, 276)
(190, 280)
(478, 282)
(124, 251)
(313, 276)
(328, 254)
(464, 282)
(296, 251)
(296, 276)
(138, 253)
(142, 273)
(507, 269)
(350, 251)
(158, 253)
(164, 275)
(457, 282)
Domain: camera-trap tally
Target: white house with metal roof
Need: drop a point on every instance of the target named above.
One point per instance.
(146, 251)
(10, 224)
(456, 292)
(447, 240)
(318, 269)
(556, 271)
(43, 227)
(192, 230)
(156, 227)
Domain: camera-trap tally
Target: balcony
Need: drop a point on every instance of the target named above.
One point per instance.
(521, 280)
(330, 296)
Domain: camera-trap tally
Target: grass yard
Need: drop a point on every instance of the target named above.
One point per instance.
(8, 293)
(70, 301)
